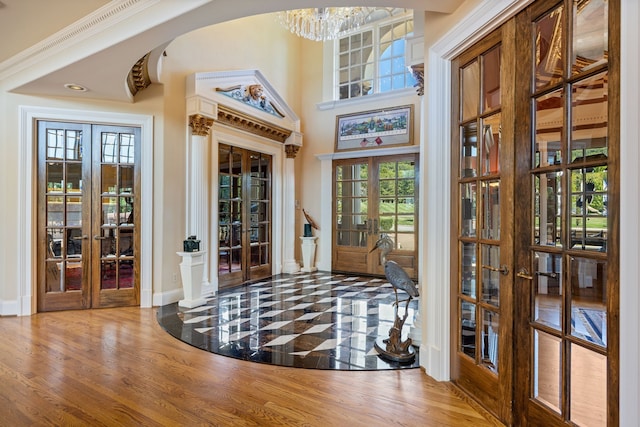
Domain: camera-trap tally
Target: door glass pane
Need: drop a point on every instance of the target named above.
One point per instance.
(588, 387)
(55, 213)
(491, 134)
(470, 90)
(547, 209)
(73, 276)
(127, 148)
(109, 179)
(73, 179)
(468, 209)
(468, 328)
(74, 144)
(55, 144)
(548, 58)
(109, 211)
(55, 177)
(547, 369)
(589, 224)
(491, 210)
(125, 274)
(547, 285)
(589, 300)
(469, 150)
(491, 79)
(490, 328)
(468, 267)
(549, 113)
(109, 153)
(589, 118)
(126, 179)
(491, 274)
(74, 211)
(590, 34)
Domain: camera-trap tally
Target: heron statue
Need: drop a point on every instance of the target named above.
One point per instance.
(394, 348)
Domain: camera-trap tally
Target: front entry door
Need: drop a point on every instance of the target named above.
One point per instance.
(244, 215)
(375, 195)
(88, 239)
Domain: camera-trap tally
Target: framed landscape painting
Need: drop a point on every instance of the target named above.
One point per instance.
(375, 129)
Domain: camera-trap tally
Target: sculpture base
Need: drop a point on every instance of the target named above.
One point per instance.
(407, 357)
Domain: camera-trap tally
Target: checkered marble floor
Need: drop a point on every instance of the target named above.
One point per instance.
(318, 320)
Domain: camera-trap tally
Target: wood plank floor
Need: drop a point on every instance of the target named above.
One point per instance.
(118, 367)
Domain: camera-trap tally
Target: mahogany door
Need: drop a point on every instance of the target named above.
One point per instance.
(88, 185)
(244, 215)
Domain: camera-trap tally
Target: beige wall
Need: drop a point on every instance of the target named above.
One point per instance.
(294, 66)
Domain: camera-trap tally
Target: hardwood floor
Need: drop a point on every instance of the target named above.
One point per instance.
(118, 367)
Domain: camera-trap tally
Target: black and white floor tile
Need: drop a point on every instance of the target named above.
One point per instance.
(318, 320)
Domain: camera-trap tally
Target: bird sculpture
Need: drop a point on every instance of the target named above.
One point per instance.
(310, 220)
(397, 277)
(394, 348)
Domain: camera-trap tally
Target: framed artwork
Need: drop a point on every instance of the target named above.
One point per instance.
(375, 129)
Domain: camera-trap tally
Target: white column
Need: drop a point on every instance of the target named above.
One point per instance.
(198, 185)
(289, 264)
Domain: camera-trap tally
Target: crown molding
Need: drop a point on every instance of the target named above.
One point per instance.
(107, 16)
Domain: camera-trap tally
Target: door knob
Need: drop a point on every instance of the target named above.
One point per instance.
(503, 269)
(96, 237)
(523, 273)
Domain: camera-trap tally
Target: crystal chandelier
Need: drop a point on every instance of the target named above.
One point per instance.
(323, 23)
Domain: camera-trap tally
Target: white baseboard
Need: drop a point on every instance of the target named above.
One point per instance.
(168, 297)
(8, 308)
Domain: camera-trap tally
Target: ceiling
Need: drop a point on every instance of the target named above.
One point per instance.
(95, 43)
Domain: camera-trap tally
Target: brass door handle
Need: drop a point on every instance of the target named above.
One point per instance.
(96, 237)
(504, 270)
(523, 273)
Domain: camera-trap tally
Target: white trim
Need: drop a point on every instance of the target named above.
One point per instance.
(629, 208)
(435, 352)
(27, 263)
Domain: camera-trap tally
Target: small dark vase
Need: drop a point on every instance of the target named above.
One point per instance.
(307, 230)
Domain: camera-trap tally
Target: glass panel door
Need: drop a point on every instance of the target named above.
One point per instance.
(116, 151)
(482, 164)
(63, 223)
(87, 186)
(244, 215)
(567, 267)
(374, 196)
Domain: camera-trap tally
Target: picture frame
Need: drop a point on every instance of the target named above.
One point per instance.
(382, 128)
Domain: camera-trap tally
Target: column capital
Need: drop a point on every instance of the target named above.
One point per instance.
(200, 125)
(418, 74)
(291, 150)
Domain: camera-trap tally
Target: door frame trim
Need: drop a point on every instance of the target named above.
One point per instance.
(27, 164)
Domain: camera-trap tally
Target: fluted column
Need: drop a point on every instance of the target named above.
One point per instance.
(289, 263)
(198, 184)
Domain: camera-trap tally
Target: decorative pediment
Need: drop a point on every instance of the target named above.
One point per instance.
(244, 100)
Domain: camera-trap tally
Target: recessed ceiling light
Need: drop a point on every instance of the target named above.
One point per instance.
(75, 87)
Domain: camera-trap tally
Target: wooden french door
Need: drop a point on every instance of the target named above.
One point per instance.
(88, 238)
(244, 215)
(567, 234)
(375, 195)
(482, 195)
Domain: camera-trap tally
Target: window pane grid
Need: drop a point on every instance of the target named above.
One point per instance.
(363, 70)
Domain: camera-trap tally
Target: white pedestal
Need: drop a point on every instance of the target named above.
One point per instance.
(191, 269)
(308, 254)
